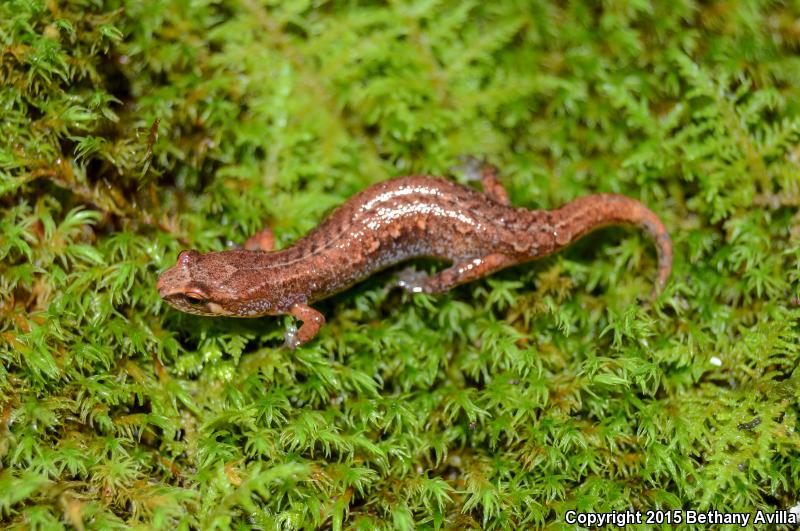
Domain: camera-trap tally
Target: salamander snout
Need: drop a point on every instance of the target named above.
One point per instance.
(180, 290)
(177, 278)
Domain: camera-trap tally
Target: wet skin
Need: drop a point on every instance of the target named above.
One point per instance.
(390, 222)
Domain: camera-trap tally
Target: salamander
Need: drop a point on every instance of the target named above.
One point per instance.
(387, 223)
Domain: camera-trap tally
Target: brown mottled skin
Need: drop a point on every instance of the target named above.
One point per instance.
(390, 222)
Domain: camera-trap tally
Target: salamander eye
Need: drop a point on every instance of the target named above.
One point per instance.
(194, 298)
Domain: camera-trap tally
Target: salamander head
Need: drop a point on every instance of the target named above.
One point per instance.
(211, 284)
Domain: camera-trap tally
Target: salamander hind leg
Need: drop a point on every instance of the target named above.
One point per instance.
(492, 185)
(475, 169)
(411, 280)
(263, 240)
(312, 321)
(459, 273)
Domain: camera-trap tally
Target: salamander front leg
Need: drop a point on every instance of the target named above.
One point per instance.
(263, 240)
(475, 169)
(459, 273)
(312, 322)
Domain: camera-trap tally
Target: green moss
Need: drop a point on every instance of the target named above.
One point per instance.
(131, 130)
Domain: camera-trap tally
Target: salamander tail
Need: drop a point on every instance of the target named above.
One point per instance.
(586, 214)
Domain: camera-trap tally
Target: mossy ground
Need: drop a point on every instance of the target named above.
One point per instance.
(131, 130)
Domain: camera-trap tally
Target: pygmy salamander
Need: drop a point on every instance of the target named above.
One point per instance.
(389, 222)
